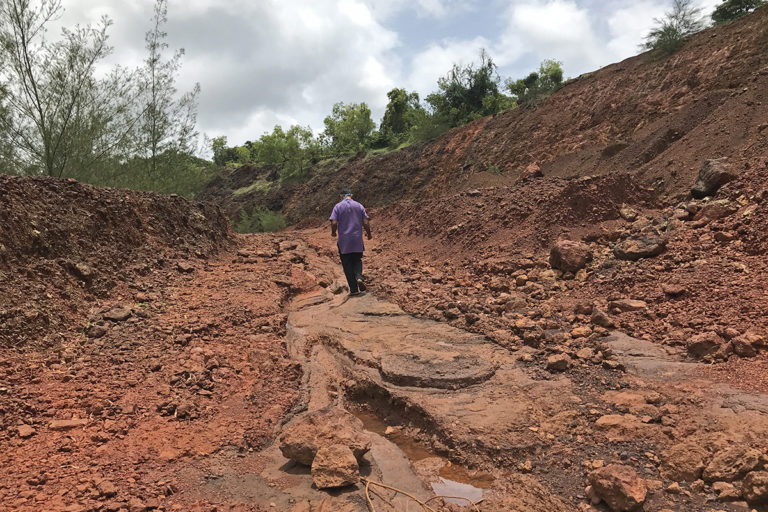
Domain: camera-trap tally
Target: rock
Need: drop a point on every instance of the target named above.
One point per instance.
(724, 237)
(581, 332)
(755, 487)
(748, 344)
(67, 424)
(304, 506)
(731, 464)
(619, 487)
(118, 314)
(715, 210)
(185, 409)
(335, 466)
(25, 431)
(185, 267)
(641, 245)
(628, 305)
(95, 331)
(684, 462)
(713, 175)
(569, 256)
(106, 489)
(532, 171)
(628, 214)
(726, 491)
(558, 362)
(474, 193)
(673, 290)
(585, 353)
(136, 505)
(601, 318)
(301, 440)
(704, 344)
(83, 272)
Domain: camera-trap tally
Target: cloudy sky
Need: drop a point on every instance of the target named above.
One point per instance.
(267, 62)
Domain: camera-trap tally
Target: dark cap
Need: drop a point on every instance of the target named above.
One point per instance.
(345, 191)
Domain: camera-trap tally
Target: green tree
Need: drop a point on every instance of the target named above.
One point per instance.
(729, 10)
(348, 127)
(60, 117)
(467, 93)
(168, 123)
(669, 33)
(293, 151)
(400, 116)
(537, 86)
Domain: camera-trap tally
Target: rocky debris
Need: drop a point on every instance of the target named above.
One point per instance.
(755, 487)
(335, 466)
(532, 171)
(628, 305)
(619, 487)
(83, 272)
(559, 362)
(303, 438)
(640, 245)
(118, 314)
(684, 462)
(67, 424)
(704, 344)
(713, 175)
(569, 256)
(731, 464)
(601, 318)
(25, 431)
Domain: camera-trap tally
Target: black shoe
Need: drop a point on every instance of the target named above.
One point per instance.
(361, 285)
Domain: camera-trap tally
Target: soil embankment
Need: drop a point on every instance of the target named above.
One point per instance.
(658, 120)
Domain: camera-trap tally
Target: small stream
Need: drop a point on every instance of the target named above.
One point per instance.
(458, 482)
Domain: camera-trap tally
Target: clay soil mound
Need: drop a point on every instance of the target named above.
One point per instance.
(62, 242)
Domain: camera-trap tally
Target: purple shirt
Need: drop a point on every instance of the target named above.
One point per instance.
(349, 214)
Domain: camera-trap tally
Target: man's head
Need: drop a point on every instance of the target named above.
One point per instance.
(345, 192)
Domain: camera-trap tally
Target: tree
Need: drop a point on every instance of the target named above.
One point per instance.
(730, 10)
(293, 151)
(168, 124)
(348, 127)
(534, 88)
(60, 117)
(469, 92)
(670, 31)
(400, 116)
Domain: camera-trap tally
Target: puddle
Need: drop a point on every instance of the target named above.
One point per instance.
(455, 491)
(454, 481)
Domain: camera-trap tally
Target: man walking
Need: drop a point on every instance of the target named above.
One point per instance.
(349, 219)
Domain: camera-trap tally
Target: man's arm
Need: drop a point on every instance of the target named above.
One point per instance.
(367, 228)
(334, 227)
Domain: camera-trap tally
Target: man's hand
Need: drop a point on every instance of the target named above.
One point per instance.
(334, 226)
(368, 235)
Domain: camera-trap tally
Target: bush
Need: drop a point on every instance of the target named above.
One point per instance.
(260, 220)
(729, 10)
(670, 32)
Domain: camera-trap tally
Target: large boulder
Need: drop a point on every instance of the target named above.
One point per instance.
(755, 487)
(569, 256)
(704, 344)
(303, 438)
(713, 175)
(731, 464)
(684, 462)
(335, 466)
(619, 487)
(641, 245)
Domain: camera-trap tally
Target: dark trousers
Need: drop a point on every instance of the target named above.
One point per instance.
(352, 263)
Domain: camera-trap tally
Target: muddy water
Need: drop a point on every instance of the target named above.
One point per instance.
(463, 486)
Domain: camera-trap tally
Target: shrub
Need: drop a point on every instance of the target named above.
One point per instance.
(670, 32)
(729, 10)
(260, 220)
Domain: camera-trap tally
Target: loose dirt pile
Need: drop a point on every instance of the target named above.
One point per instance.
(63, 243)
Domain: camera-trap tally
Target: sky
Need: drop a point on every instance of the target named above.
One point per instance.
(260, 63)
